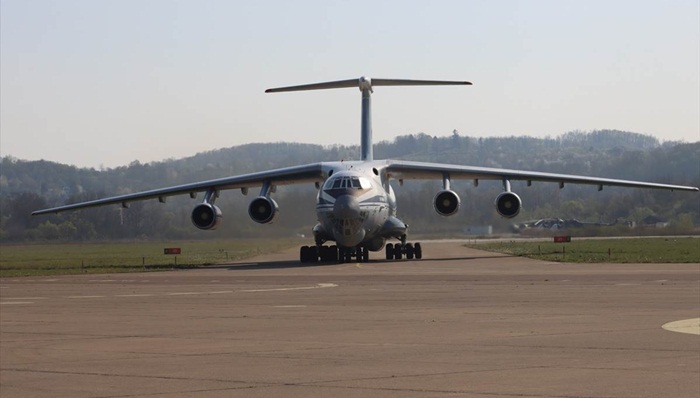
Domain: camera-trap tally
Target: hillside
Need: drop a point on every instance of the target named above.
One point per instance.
(30, 185)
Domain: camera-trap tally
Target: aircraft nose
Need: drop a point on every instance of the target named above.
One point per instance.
(346, 207)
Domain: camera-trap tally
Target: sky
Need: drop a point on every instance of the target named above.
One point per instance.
(101, 83)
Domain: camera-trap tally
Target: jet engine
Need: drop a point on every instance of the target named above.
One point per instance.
(206, 216)
(446, 202)
(263, 209)
(508, 204)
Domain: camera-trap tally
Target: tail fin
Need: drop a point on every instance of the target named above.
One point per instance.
(365, 85)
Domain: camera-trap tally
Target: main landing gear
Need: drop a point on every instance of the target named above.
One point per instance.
(313, 254)
(410, 250)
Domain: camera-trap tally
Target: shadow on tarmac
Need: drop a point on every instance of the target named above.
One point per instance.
(296, 264)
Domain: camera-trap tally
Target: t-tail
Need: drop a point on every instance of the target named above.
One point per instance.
(365, 85)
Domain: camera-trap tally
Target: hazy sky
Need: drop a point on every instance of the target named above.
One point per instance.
(105, 82)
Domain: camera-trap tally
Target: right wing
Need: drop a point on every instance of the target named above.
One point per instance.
(399, 169)
(314, 172)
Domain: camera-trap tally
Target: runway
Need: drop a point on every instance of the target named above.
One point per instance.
(459, 323)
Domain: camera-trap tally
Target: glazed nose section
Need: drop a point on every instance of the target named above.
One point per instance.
(346, 207)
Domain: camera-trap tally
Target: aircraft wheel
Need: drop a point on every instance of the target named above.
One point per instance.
(303, 253)
(418, 251)
(409, 251)
(397, 252)
(333, 250)
(341, 255)
(313, 254)
(365, 254)
(389, 251)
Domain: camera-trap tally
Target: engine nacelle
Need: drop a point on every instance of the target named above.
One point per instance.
(446, 202)
(508, 204)
(263, 209)
(206, 216)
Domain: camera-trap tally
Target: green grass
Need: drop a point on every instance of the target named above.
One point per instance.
(75, 258)
(634, 250)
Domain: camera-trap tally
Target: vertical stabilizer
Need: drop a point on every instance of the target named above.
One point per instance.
(365, 85)
(366, 151)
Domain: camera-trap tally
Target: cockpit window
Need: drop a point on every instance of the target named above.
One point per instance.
(347, 182)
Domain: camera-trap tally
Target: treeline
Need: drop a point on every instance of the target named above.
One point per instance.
(30, 185)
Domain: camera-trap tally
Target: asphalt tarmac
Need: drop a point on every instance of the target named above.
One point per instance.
(459, 323)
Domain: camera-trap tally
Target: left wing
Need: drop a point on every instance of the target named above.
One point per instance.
(289, 175)
(419, 170)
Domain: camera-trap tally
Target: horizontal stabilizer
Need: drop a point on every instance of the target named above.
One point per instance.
(366, 82)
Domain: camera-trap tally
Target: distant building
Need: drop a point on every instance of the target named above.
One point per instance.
(654, 222)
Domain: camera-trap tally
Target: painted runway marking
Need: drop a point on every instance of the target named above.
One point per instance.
(22, 300)
(288, 306)
(184, 293)
(283, 289)
(691, 326)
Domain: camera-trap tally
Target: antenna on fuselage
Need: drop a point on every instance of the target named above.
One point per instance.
(365, 85)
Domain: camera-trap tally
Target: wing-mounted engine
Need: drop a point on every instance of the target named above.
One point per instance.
(263, 209)
(507, 203)
(206, 216)
(446, 202)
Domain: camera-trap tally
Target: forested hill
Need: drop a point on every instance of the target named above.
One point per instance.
(29, 185)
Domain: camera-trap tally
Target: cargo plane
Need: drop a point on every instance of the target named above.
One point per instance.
(356, 204)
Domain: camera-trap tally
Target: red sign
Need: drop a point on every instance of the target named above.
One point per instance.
(171, 250)
(562, 239)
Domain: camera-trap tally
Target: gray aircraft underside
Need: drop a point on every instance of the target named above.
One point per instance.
(356, 205)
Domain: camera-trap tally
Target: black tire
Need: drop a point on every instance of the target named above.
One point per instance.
(365, 255)
(389, 251)
(418, 251)
(323, 253)
(397, 252)
(409, 251)
(303, 254)
(313, 254)
(341, 255)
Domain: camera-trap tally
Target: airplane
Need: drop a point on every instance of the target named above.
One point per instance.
(356, 204)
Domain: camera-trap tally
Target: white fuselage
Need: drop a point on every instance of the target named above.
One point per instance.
(355, 205)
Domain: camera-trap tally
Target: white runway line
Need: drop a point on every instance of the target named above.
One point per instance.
(691, 326)
(282, 289)
(22, 300)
